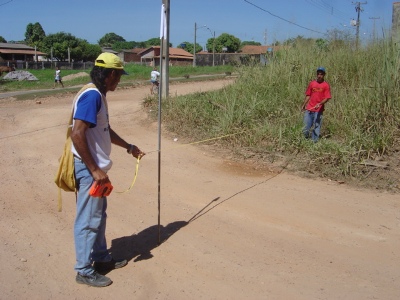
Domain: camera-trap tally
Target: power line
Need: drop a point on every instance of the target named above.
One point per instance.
(6, 3)
(320, 5)
(326, 7)
(282, 18)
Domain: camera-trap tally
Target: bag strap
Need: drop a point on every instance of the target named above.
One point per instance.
(69, 130)
(70, 121)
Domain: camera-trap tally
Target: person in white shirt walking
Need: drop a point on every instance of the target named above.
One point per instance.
(57, 77)
(154, 80)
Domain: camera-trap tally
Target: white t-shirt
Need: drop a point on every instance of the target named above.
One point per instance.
(154, 74)
(58, 74)
(91, 106)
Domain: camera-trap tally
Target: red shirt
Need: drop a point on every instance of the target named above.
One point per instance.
(317, 92)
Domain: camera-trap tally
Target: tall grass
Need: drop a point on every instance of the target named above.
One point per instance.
(361, 122)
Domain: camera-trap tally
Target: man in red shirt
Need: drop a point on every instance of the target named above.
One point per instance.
(317, 94)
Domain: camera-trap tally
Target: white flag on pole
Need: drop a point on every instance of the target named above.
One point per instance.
(163, 25)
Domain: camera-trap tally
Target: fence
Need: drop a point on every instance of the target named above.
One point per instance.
(206, 59)
(41, 65)
(202, 59)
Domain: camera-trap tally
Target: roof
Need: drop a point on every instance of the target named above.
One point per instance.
(135, 50)
(19, 49)
(15, 46)
(179, 52)
(173, 52)
(22, 51)
(252, 49)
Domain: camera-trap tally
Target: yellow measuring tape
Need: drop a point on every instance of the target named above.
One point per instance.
(134, 178)
(198, 142)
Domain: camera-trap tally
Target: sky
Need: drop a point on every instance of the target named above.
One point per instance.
(263, 21)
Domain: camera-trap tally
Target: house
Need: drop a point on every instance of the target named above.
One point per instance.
(177, 56)
(251, 49)
(18, 52)
(131, 55)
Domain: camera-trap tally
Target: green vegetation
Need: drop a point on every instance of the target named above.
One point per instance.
(137, 74)
(225, 40)
(62, 45)
(262, 110)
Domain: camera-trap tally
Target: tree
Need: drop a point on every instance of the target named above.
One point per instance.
(225, 40)
(109, 39)
(228, 41)
(118, 46)
(338, 38)
(85, 51)
(59, 42)
(153, 42)
(34, 34)
(2, 40)
(249, 43)
(91, 52)
(188, 47)
(211, 44)
(298, 41)
(140, 45)
(118, 43)
(337, 34)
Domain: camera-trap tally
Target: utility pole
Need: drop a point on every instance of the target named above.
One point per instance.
(213, 47)
(373, 32)
(265, 37)
(359, 9)
(214, 50)
(164, 90)
(164, 56)
(194, 45)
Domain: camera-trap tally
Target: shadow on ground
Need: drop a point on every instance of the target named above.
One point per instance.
(139, 246)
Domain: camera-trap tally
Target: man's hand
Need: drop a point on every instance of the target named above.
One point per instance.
(317, 106)
(136, 152)
(100, 176)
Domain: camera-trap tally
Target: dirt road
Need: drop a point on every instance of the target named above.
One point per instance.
(228, 232)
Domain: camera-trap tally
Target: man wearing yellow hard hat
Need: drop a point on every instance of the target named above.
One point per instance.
(92, 137)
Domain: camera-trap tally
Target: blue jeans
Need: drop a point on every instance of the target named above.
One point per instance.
(312, 119)
(90, 223)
